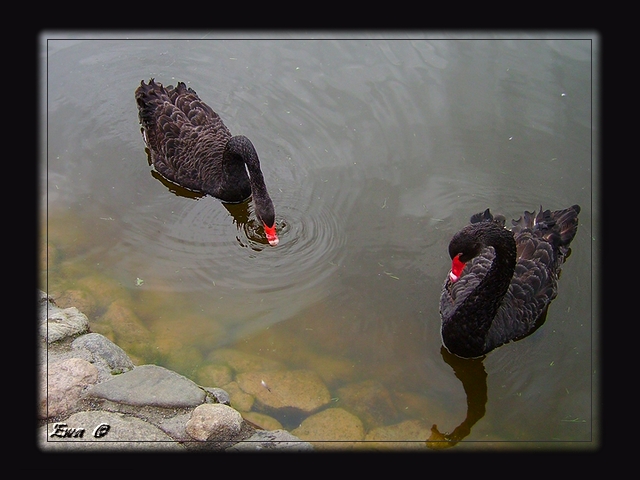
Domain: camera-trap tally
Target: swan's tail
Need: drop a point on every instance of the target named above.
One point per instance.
(567, 224)
(149, 97)
(558, 227)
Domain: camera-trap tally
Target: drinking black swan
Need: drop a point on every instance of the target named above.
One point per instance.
(189, 145)
(502, 281)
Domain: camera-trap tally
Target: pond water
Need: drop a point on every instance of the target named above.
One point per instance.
(375, 151)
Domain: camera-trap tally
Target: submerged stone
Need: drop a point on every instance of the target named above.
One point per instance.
(299, 389)
(333, 428)
(410, 434)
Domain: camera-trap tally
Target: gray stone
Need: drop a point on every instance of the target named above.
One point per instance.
(146, 407)
(175, 426)
(219, 395)
(104, 351)
(100, 430)
(214, 421)
(263, 440)
(56, 323)
(45, 303)
(150, 385)
(63, 323)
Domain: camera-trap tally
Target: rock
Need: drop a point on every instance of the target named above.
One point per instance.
(299, 389)
(103, 288)
(263, 440)
(150, 385)
(130, 333)
(65, 382)
(238, 398)
(330, 428)
(104, 351)
(61, 323)
(146, 407)
(218, 395)
(214, 375)
(171, 332)
(370, 400)
(80, 299)
(265, 422)
(57, 323)
(214, 421)
(175, 426)
(45, 303)
(183, 359)
(410, 434)
(100, 430)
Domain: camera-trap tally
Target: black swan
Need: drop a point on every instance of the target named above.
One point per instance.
(189, 145)
(502, 281)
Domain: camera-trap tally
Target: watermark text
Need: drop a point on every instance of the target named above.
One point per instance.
(62, 430)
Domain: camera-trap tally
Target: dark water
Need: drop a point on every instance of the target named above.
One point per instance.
(375, 152)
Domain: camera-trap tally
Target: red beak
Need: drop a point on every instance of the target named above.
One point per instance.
(272, 236)
(456, 268)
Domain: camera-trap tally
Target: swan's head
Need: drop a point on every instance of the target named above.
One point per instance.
(267, 215)
(465, 245)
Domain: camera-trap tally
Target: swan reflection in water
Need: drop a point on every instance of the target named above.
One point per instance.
(471, 372)
(243, 213)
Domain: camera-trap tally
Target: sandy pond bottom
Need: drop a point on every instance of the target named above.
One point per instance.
(274, 377)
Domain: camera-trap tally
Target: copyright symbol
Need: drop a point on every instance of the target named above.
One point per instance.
(101, 430)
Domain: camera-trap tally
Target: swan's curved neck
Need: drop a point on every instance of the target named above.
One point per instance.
(240, 153)
(496, 282)
(473, 317)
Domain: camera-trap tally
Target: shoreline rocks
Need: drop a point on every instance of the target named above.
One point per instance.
(92, 397)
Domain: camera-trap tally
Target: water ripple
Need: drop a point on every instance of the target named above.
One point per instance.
(194, 244)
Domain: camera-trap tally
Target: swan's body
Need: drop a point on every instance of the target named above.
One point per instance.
(502, 281)
(191, 146)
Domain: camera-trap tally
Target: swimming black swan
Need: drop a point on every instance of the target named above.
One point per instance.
(502, 281)
(190, 146)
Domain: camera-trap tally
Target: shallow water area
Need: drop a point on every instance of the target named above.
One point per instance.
(375, 151)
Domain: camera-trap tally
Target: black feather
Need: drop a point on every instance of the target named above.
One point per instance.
(509, 281)
(190, 145)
